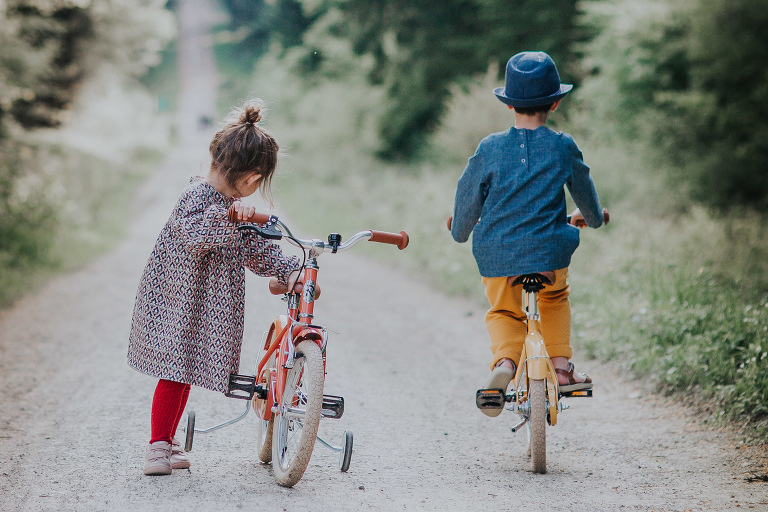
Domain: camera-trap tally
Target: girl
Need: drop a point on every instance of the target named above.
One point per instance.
(188, 319)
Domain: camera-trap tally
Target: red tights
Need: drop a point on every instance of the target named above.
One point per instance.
(167, 407)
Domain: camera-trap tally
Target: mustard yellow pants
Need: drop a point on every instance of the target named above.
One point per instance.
(505, 320)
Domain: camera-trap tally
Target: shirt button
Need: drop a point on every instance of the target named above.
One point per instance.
(523, 160)
(522, 145)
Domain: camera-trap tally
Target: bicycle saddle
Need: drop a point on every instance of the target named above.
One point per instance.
(535, 279)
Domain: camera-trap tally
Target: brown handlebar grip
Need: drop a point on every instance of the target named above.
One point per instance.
(259, 218)
(399, 239)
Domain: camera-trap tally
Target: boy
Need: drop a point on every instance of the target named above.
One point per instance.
(511, 197)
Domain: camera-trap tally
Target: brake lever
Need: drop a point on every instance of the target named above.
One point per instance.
(269, 231)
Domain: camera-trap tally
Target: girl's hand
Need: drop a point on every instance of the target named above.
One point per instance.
(277, 288)
(242, 211)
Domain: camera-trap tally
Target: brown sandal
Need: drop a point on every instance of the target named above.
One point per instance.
(573, 384)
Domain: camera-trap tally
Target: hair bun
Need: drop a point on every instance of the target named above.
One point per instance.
(251, 115)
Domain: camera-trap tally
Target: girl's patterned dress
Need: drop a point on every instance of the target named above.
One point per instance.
(189, 314)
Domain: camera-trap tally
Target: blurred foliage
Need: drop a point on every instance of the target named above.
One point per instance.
(39, 61)
(419, 49)
(255, 24)
(55, 162)
(670, 73)
(689, 77)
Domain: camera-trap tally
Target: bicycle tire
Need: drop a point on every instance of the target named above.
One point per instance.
(264, 441)
(345, 457)
(264, 432)
(190, 431)
(293, 437)
(537, 398)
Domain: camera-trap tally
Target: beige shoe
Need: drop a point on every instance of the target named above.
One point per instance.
(500, 378)
(157, 461)
(178, 458)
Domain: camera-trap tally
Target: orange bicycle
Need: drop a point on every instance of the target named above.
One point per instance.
(286, 390)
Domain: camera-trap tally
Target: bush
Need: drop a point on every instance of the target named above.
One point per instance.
(75, 128)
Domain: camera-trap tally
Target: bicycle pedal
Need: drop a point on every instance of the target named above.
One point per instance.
(490, 398)
(244, 387)
(333, 406)
(585, 393)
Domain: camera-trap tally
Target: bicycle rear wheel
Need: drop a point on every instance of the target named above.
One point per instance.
(537, 398)
(264, 439)
(298, 416)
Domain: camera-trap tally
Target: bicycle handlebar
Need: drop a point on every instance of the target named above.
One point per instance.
(581, 223)
(258, 218)
(398, 239)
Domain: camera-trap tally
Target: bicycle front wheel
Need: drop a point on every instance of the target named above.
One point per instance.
(298, 415)
(537, 398)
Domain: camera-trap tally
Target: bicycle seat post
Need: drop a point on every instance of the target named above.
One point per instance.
(531, 305)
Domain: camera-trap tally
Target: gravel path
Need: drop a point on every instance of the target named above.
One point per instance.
(74, 419)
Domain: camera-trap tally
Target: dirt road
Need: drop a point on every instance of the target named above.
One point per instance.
(74, 419)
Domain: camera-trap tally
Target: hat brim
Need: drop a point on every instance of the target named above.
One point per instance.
(532, 102)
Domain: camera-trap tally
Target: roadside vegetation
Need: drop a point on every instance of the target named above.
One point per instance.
(674, 290)
(78, 130)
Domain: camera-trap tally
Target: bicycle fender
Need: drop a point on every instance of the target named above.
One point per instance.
(277, 327)
(313, 333)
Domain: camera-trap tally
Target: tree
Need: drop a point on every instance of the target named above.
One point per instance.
(40, 60)
(690, 78)
(423, 47)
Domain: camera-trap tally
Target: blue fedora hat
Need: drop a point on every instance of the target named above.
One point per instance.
(531, 80)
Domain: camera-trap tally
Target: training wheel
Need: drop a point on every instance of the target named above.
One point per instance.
(346, 452)
(190, 431)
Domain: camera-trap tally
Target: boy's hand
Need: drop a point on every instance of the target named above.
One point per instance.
(577, 219)
(242, 211)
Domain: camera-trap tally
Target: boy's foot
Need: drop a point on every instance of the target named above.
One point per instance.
(178, 457)
(571, 381)
(501, 376)
(157, 460)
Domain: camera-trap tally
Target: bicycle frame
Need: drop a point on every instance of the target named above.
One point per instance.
(535, 362)
(289, 330)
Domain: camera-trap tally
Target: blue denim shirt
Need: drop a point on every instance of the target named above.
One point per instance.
(511, 197)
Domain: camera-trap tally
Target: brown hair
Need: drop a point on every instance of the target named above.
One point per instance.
(242, 148)
(532, 111)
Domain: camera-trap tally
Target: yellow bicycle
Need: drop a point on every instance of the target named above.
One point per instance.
(534, 393)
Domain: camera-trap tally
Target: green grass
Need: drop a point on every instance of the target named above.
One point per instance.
(81, 215)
